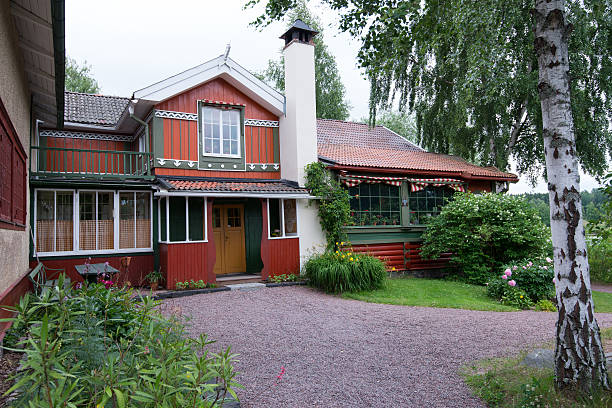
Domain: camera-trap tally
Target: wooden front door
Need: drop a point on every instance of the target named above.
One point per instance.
(228, 232)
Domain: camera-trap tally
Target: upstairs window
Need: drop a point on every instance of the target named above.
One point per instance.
(221, 131)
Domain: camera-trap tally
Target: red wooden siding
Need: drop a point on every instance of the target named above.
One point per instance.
(479, 185)
(217, 90)
(259, 144)
(275, 175)
(279, 256)
(80, 162)
(10, 297)
(403, 256)
(140, 266)
(184, 262)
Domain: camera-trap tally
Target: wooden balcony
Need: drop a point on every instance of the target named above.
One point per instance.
(68, 163)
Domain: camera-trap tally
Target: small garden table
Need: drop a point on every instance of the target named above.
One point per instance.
(91, 271)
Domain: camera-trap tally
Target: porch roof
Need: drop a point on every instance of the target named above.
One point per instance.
(215, 187)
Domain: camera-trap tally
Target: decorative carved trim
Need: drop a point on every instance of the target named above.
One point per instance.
(194, 116)
(262, 123)
(263, 166)
(176, 163)
(84, 135)
(176, 115)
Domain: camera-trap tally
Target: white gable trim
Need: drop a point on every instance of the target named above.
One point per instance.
(221, 67)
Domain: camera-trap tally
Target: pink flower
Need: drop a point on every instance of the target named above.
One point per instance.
(554, 280)
(504, 276)
(549, 260)
(146, 350)
(514, 268)
(530, 263)
(512, 283)
(545, 267)
(524, 267)
(508, 272)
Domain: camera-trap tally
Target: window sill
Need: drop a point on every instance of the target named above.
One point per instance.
(286, 237)
(103, 252)
(11, 226)
(224, 156)
(182, 242)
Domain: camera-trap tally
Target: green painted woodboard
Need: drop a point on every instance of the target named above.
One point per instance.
(252, 235)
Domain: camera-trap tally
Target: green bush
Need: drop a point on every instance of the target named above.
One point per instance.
(545, 305)
(484, 232)
(600, 260)
(97, 347)
(535, 279)
(517, 298)
(345, 271)
(291, 277)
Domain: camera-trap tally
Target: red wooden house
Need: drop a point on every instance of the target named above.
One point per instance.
(202, 175)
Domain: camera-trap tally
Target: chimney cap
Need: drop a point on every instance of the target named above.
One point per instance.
(299, 27)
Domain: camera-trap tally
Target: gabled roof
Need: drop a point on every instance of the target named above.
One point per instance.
(331, 131)
(225, 68)
(355, 145)
(93, 109)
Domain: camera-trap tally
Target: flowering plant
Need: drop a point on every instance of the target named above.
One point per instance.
(533, 278)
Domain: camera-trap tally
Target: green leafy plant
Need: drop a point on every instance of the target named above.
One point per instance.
(154, 276)
(333, 205)
(516, 297)
(291, 277)
(97, 347)
(180, 285)
(533, 278)
(345, 271)
(484, 232)
(545, 305)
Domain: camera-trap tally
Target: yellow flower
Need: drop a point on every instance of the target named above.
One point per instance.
(393, 268)
(342, 243)
(336, 243)
(350, 253)
(521, 296)
(342, 256)
(337, 252)
(351, 258)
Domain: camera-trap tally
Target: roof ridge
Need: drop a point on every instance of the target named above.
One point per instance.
(97, 95)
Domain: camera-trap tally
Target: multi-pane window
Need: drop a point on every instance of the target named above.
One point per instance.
(54, 221)
(375, 204)
(97, 227)
(183, 219)
(221, 131)
(428, 203)
(96, 221)
(282, 218)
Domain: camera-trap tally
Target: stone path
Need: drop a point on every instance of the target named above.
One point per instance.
(345, 353)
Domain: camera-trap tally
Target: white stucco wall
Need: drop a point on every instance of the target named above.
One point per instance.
(298, 139)
(14, 245)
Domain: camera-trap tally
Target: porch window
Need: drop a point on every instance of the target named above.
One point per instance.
(85, 222)
(375, 204)
(96, 221)
(221, 131)
(54, 221)
(428, 202)
(282, 218)
(182, 219)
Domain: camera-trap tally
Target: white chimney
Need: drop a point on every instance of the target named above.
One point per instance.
(298, 128)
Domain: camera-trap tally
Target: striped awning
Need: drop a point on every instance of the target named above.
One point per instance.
(420, 184)
(351, 180)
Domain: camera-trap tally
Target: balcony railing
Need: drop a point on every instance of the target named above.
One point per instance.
(54, 162)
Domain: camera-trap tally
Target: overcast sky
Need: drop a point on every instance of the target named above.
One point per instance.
(131, 44)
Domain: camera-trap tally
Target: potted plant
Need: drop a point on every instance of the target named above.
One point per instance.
(154, 277)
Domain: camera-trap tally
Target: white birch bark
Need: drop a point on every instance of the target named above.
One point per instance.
(579, 358)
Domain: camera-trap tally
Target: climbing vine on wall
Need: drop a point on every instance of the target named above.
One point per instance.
(334, 205)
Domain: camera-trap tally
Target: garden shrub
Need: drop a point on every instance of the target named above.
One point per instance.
(600, 259)
(98, 347)
(484, 232)
(534, 279)
(517, 298)
(345, 271)
(545, 305)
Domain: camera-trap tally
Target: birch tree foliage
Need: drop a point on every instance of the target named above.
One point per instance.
(469, 72)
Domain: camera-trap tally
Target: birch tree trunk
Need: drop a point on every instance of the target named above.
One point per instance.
(579, 357)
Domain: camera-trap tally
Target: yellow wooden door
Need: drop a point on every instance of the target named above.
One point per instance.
(228, 231)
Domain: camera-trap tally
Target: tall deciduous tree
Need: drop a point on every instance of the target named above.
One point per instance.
(78, 77)
(329, 89)
(401, 123)
(477, 82)
(580, 360)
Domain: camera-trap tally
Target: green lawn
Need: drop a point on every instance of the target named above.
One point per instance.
(455, 295)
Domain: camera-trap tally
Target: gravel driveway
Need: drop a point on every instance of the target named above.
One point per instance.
(346, 353)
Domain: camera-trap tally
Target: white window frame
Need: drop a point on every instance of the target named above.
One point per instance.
(187, 241)
(240, 133)
(76, 220)
(282, 213)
